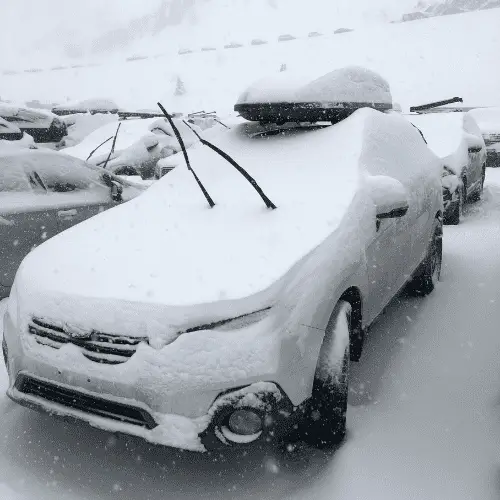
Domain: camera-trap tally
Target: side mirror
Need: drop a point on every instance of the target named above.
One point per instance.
(116, 191)
(116, 187)
(389, 197)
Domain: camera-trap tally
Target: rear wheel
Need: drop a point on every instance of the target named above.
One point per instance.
(324, 421)
(424, 282)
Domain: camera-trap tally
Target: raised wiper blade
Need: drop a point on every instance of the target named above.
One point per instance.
(186, 158)
(112, 150)
(94, 150)
(240, 169)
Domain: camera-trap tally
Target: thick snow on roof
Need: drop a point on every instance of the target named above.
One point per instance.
(168, 248)
(444, 132)
(349, 84)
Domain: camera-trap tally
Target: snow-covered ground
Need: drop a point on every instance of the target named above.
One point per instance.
(424, 414)
(423, 61)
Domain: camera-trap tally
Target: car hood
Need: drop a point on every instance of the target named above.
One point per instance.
(167, 248)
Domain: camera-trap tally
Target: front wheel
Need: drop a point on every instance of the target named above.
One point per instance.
(324, 422)
(457, 209)
(428, 274)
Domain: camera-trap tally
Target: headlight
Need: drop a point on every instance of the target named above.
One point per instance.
(233, 323)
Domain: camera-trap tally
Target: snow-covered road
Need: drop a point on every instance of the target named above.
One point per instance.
(424, 416)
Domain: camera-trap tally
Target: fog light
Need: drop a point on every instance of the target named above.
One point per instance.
(245, 422)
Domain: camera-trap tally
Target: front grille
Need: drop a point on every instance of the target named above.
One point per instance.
(165, 171)
(97, 346)
(84, 402)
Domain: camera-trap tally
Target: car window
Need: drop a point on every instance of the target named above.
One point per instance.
(12, 177)
(61, 174)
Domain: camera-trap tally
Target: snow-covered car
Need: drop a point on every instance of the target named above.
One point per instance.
(43, 193)
(456, 138)
(139, 145)
(9, 131)
(488, 120)
(92, 106)
(204, 328)
(286, 38)
(42, 125)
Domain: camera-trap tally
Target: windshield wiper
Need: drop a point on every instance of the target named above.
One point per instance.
(240, 169)
(186, 158)
(112, 150)
(94, 150)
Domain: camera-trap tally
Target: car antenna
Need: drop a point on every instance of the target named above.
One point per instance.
(94, 150)
(113, 145)
(186, 157)
(240, 169)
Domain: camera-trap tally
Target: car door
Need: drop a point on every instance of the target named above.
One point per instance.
(385, 255)
(476, 154)
(77, 192)
(26, 219)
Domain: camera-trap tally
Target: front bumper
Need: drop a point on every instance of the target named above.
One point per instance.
(187, 414)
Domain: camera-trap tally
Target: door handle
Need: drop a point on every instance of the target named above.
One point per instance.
(67, 214)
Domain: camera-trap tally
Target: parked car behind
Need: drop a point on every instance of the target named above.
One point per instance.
(457, 140)
(488, 120)
(242, 321)
(9, 131)
(140, 144)
(43, 193)
(42, 125)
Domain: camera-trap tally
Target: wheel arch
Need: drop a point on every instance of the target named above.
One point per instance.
(353, 296)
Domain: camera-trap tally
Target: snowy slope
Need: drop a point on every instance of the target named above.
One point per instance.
(423, 61)
(57, 30)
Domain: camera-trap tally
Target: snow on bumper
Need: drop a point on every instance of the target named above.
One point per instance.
(181, 387)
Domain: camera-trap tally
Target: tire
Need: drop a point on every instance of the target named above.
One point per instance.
(477, 195)
(457, 210)
(429, 272)
(324, 423)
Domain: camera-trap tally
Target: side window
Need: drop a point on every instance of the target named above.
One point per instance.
(62, 175)
(12, 177)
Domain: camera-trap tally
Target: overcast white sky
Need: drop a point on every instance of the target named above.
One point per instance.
(46, 25)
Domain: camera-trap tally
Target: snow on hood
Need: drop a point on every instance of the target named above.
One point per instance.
(167, 248)
(349, 84)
